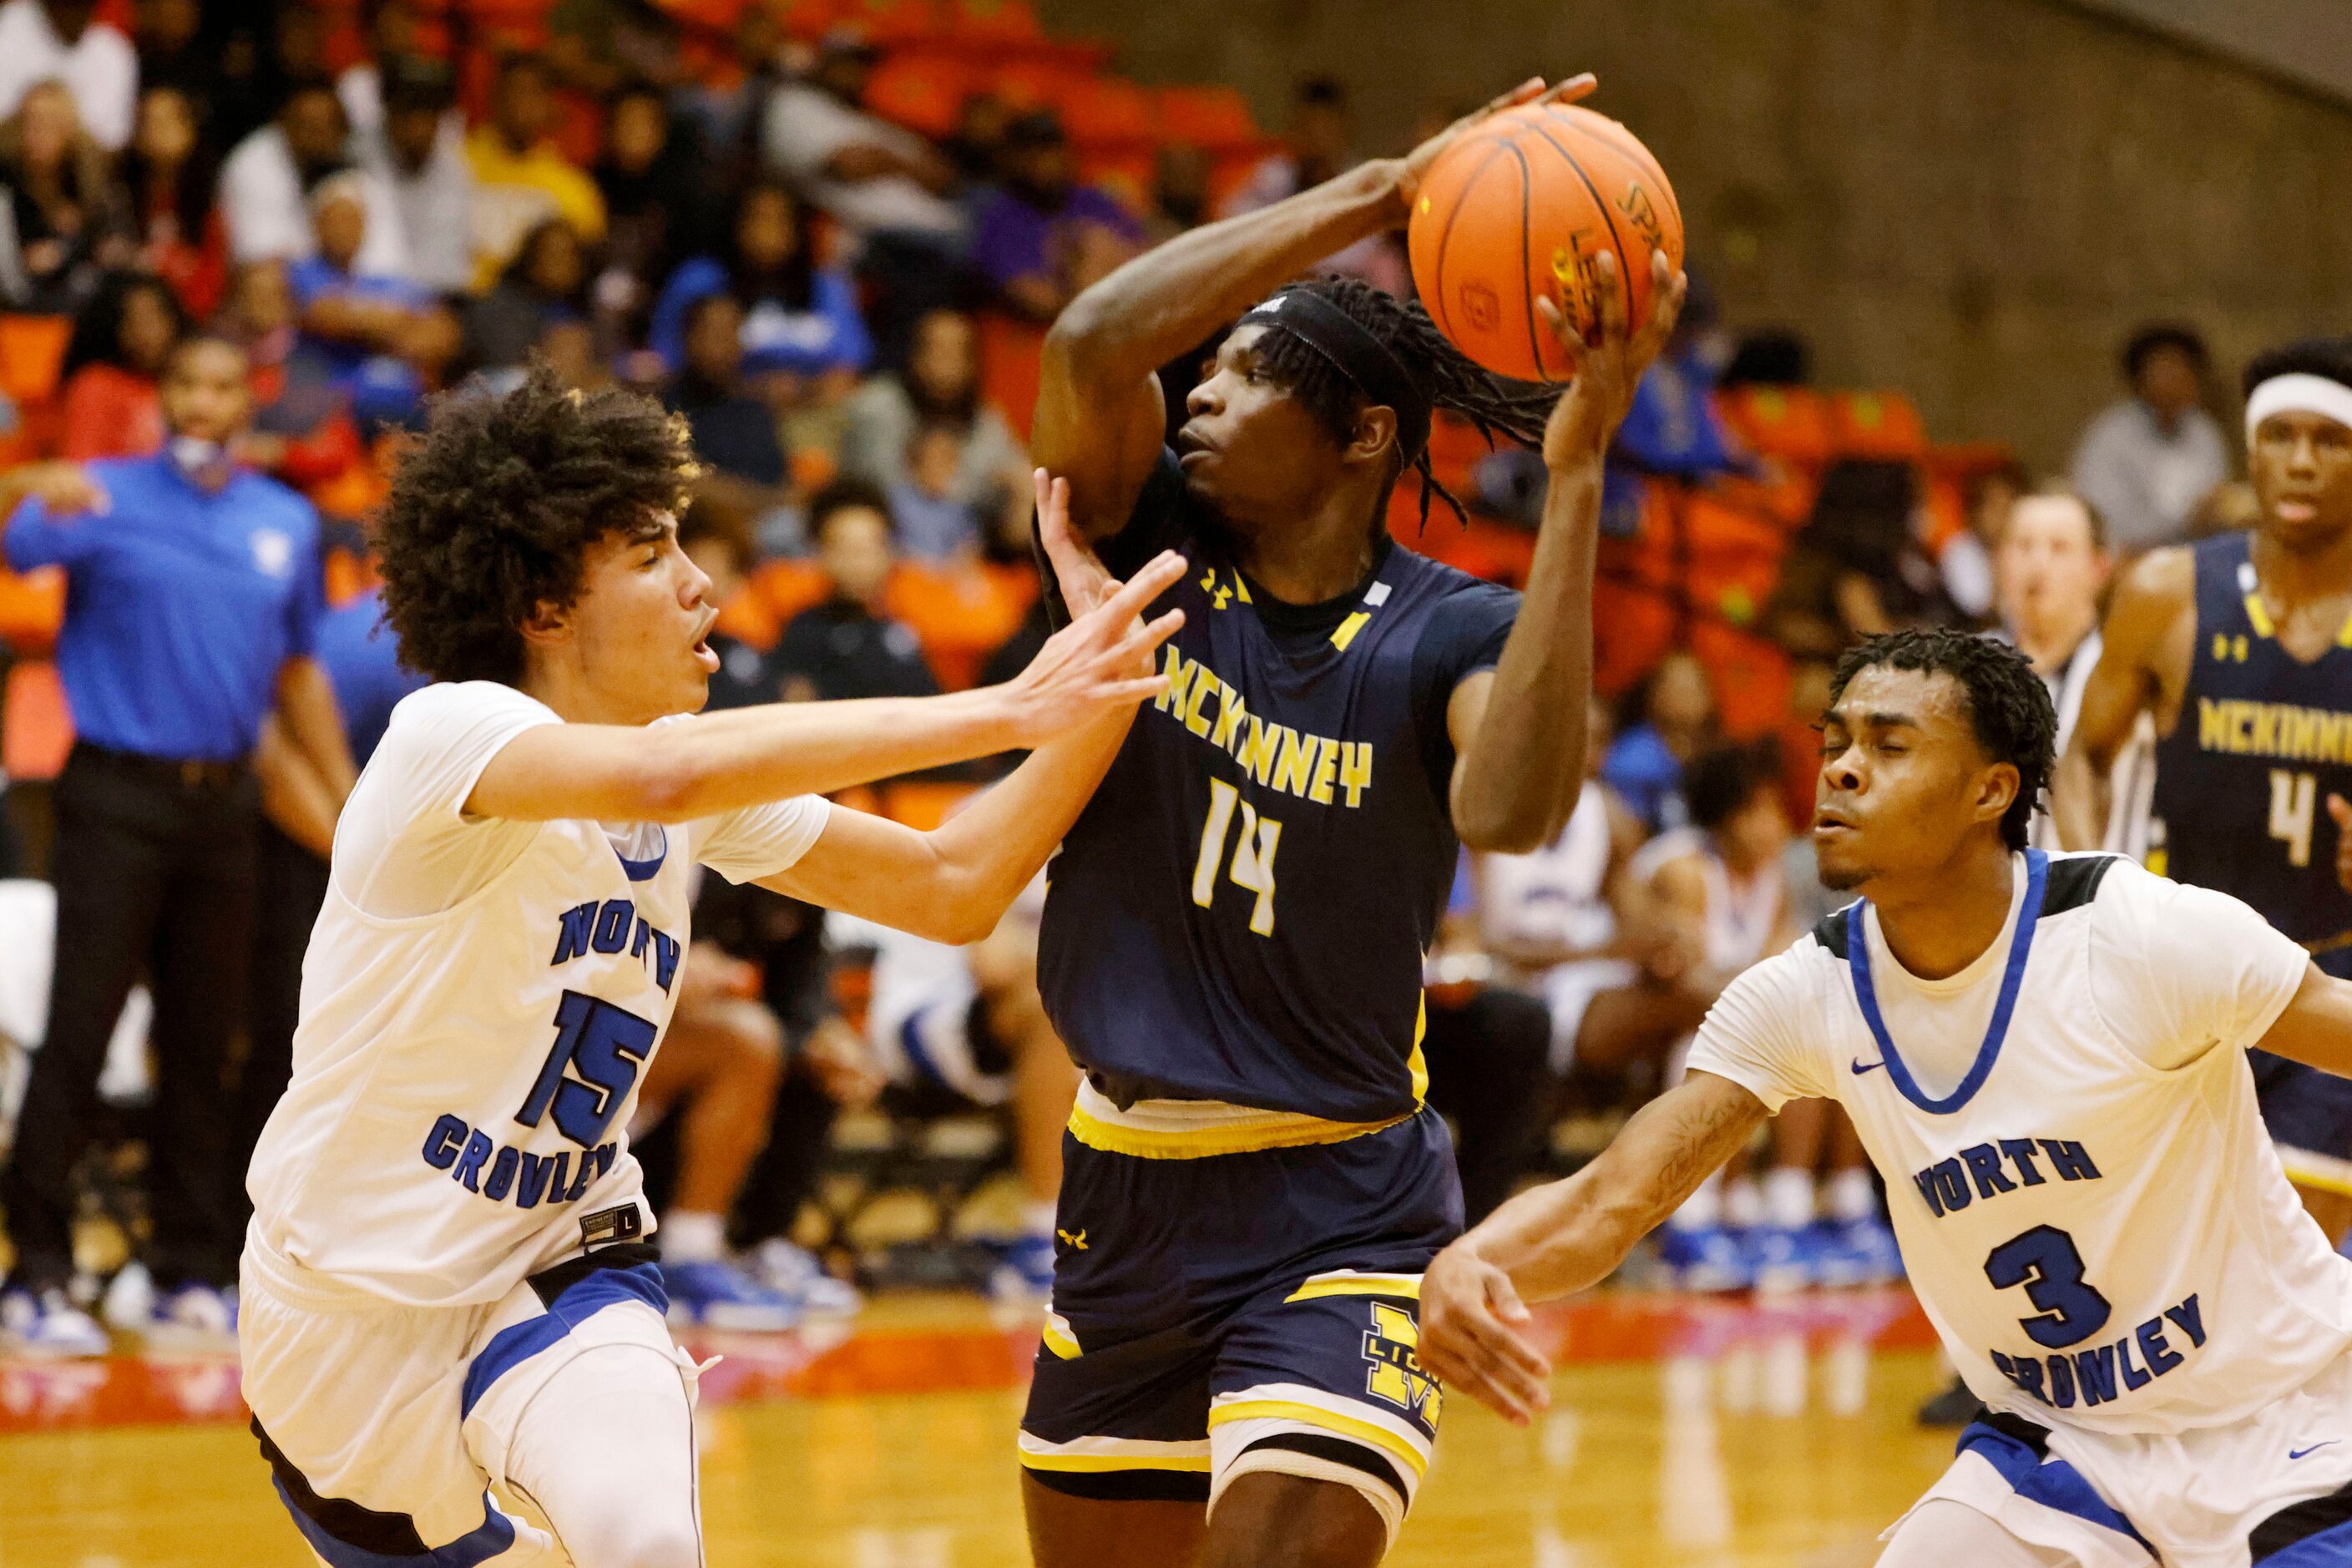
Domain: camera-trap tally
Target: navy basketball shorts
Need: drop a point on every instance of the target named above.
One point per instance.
(2308, 1113)
(1218, 1313)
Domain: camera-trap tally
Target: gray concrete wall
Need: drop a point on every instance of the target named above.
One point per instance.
(1972, 200)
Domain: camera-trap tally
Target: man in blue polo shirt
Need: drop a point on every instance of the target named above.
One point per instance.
(192, 610)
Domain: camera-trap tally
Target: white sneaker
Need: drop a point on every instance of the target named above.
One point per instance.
(49, 1324)
(129, 1304)
(194, 1317)
(794, 1270)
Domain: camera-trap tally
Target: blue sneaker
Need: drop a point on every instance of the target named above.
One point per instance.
(48, 1323)
(794, 1271)
(1784, 1260)
(1869, 1245)
(1707, 1259)
(1026, 1271)
(717, 1295)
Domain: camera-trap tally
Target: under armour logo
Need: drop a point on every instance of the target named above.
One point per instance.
(1076, 1242)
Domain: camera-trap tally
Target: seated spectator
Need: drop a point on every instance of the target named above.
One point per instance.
(302, 432)
(520, 177)
(726, 104)
(800, 319)
(56, 40)
(847, 647)
(723, 549)
(1674, 711)
(1041, 237)
(734, 433)
(569, 347)
(170, 177)
(63, 218)
(2149, 462)
(172, 52)
(1315, 147)
(112, 365)
(383, 338)
(1860, 567)
(393, 35)
(595, 47)
(266, 186)
(975, 146)
(416, 149)
(545, 283)
(658, 206)
(933, 524)
(939, 388)
(868, 175)
(1180, 193)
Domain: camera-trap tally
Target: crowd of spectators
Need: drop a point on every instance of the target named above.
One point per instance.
(836, 306)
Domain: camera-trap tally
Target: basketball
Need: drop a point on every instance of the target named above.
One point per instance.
(1523, 205)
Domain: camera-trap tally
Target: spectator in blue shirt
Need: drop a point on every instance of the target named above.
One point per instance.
(1675, 717)
(800, 319)
(380, 337)
(193, 605)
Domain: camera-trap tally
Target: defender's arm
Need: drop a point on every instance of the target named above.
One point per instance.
(1555, 1239)
(2316, 1028)
(2148, 603)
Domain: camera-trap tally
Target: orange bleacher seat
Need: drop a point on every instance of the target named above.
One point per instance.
(987, 22)
(750, 617)
(32, 348)
(35, 727)
(923, 804)
(1793, 424)
(890, 21)
(922, 91)
(1214, 119)
(1107, 112)
(1025, 84)
(1877, 425)
(788, 587)
(1750, 677)
(1010, 352)
(32, 608)
(961, 614)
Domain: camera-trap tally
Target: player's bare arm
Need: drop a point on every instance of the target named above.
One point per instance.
(1552, 1240)
(1100, 418)
(1518, 730)
(2315, 1029)
(2143, 661)
(307, 714)
(720, 761)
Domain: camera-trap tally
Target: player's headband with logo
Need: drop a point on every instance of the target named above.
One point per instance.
(2299, 392)
(1349, 348)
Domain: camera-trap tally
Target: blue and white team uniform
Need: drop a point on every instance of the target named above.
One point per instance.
(446, 1215)
(2242, 788)
(2090, 1210)
(1232, 949)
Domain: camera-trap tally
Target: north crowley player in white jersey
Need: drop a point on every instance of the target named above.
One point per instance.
(446, 1287)
(2045, 1058)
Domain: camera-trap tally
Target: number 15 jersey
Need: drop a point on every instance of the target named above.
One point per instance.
(2088, 1206)
(480, 1002)
(1240, 914)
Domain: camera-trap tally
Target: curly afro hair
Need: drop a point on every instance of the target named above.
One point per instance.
(2009, 705)
(493, 509)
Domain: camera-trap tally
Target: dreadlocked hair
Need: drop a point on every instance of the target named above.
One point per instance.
(1494, 406)
(494, 508)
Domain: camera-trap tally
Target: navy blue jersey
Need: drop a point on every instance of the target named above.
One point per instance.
(1240, 914)
(2242, 782)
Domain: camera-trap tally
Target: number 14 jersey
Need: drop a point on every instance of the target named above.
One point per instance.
(480, 1002)
(2088, 1206)
(1240, 914)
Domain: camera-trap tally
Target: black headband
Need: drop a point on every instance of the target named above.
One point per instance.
(1350, 349)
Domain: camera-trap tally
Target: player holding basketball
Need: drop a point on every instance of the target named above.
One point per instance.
(2045, 1058)
(2241, 647)
(1233, 937)
(446, 1284)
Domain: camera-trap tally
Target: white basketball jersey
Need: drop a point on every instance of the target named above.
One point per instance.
(1554, 894)
(2087, 1203)
(1741, 915)
(480, 1002)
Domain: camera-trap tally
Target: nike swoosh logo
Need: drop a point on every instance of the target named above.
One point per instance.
(1861, 1068)
(2299, 1453)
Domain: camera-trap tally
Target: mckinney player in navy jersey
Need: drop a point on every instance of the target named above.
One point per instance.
(1233, 936)
(2241, 647)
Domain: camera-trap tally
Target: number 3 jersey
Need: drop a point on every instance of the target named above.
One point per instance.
(480, 1002)
(1240, 914)
(2242, 782)
(2088, 1206)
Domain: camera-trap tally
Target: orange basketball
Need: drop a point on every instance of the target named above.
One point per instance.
(1523, 205)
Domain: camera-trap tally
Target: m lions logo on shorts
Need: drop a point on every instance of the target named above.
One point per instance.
(1393, 1347)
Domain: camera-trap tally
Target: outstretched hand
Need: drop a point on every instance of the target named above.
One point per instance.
(1607, 372)
(1102, 660)
(1472, 1336)
(1415, 163)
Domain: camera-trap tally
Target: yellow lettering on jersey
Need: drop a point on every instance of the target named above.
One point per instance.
(2278, 729)
(1203, 685)
(2266, 728)
(1180, 671)
(1355, 768)
(1230, 711)
(1255, 753)
(1296, 770)
(1326, 768)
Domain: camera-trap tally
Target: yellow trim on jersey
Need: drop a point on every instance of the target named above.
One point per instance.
(2321, 1173)
(1418, 1064)
(1363, 1432)
(1274, 1130)
(1405, 1285)
(2260, 616)
(1348, 628)
(1099, 1462)
(1058, 1338)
